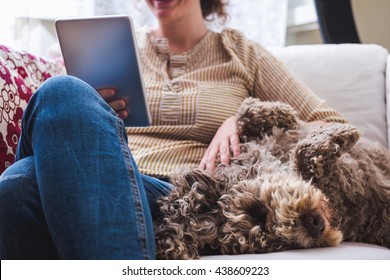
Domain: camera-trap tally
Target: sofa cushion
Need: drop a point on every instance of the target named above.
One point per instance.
(21, 73)
(350, 77)
(345, 251)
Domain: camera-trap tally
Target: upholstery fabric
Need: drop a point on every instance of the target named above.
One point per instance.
(345, 251)
(21, 73)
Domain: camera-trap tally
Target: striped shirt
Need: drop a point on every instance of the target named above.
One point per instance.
(191, 94)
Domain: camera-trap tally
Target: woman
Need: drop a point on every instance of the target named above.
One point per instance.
(77, 193)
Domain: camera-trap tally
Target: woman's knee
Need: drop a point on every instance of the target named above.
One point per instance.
(62, 101)
(60, 89)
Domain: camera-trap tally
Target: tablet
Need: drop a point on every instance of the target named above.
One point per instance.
(102, 51)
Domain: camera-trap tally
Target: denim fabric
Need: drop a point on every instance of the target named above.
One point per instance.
(75, 191)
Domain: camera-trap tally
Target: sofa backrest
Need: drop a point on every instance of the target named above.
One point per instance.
(351, 78)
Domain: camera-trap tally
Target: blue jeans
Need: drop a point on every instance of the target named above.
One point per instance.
(74, 191)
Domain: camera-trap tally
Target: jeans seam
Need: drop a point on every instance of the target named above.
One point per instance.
(139, 215)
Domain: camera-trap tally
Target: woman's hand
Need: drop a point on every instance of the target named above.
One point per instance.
(225, 139)
(118, 105)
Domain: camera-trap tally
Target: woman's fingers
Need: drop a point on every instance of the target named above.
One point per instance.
(226, 143)
(208, 160)
(224, 152)
(122, 114)
(118, 105)
(106, 93)
(235, 144)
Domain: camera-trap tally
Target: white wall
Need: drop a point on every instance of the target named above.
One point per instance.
(29, 24)
(20, 26)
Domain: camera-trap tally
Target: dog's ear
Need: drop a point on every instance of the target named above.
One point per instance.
(201, 185)
(243, 202)
(258, 213)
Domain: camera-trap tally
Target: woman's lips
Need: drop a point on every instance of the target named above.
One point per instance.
(162, 3)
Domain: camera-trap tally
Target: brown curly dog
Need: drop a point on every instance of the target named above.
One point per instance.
(291, 187)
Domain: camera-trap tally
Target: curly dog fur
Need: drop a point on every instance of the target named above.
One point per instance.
(291, 187)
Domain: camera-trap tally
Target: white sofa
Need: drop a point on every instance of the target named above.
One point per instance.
(352, 79)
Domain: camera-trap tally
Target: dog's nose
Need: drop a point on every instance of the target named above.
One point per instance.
(314, 224)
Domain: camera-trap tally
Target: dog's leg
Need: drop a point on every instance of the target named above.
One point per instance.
(190, 216)
(256, 118)
(315, 156)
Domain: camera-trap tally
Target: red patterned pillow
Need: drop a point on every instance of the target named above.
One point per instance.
(21, 73)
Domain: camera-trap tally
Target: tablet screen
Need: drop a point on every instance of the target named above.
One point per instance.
(102, 52)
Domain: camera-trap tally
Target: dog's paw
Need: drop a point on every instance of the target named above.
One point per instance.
(256, 118)
(324, 145)
(331, 140)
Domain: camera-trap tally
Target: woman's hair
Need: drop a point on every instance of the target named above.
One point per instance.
(212, 9)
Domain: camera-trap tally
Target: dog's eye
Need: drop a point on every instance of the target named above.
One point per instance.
(258, 213)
